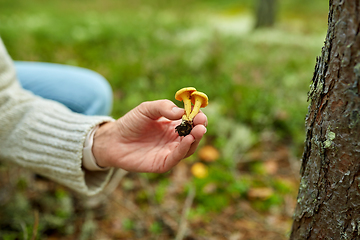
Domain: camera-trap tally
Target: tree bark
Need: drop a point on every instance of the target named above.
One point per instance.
(329, 195)
(265, 13)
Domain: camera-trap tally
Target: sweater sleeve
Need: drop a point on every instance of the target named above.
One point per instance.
(45, 136)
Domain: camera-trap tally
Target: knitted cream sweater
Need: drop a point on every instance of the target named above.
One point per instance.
(44, 136)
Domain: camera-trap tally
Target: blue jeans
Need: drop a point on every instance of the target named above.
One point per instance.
(81, 90)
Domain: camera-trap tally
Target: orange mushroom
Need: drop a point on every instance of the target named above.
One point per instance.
(184, 95)
(200, 100)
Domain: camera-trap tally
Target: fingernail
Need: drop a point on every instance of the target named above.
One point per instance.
(205, 130)
(177, 110)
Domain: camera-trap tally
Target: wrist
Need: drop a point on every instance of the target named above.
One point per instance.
(88, 161)
(101, 143)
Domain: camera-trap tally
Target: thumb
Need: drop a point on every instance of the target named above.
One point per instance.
(161, 108)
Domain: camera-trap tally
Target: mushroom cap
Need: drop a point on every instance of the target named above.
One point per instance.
(202, 96)
(184, 90)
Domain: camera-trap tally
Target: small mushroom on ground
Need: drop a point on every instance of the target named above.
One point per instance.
(200, 100)
(208, 153)
(184, 95)
(199, 170)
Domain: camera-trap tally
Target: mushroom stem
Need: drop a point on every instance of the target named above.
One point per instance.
(196, 109)
(185, 118)
(187, 105)
(199, 99)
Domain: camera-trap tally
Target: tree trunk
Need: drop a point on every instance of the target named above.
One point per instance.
(265, 13)
(329, 194)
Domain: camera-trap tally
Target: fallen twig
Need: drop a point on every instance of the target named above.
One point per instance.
(36, 225)
(23, 228)
(185, 212)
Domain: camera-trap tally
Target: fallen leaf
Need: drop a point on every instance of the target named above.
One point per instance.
(260, 193)
(210, 188)
(236, 236)
(281, 114)
(271, 167)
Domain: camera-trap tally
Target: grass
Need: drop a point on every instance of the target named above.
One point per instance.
(257, 81)
(148, 54)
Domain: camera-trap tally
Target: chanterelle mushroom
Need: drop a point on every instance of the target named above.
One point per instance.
(189, 95)
(184, 95)
(200, 100)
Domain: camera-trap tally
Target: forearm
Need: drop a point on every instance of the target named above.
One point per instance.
(44, 136)
(47, 138)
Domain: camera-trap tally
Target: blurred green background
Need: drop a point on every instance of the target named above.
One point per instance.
(257, 82)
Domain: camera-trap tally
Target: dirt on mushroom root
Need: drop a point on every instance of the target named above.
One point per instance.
(184, 128)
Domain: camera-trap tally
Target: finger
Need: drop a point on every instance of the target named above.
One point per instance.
(200, 118)
(161, 108)
(179, 153)
(197, 132)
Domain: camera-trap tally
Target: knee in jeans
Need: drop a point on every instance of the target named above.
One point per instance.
(102, 99)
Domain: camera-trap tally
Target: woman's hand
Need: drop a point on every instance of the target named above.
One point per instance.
(144, 140)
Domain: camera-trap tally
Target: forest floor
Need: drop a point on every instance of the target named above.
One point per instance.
(137, 209)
